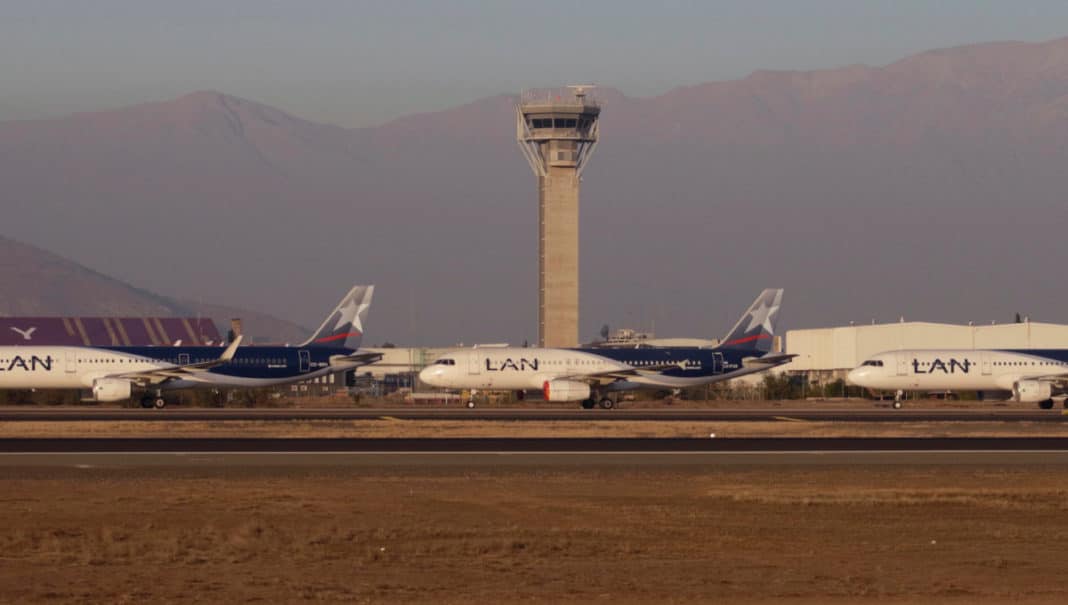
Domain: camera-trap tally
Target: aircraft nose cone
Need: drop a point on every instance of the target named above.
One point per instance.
(859, 377)
(430, 376)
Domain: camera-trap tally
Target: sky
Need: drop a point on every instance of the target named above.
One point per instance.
(363, 63)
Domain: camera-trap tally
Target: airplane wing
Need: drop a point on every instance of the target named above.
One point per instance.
(357, 358)
(1059, 377)
(1008, 381)
(764, 361)
(619, 374)
(187, 371)
(771, 359)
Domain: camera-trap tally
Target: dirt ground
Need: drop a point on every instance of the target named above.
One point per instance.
(798, 535)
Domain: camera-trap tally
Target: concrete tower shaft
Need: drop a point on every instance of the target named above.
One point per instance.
(557, 131)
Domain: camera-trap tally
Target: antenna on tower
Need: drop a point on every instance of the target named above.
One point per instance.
(579, 90)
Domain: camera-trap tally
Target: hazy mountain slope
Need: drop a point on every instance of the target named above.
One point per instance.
(39, 283)
(932, 188)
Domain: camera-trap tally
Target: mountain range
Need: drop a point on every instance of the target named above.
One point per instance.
(931, 188)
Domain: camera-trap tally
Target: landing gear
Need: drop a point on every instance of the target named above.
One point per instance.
(607, 403)
(470, 404)
(1046, 405)
(587, 404)
(898, 397)
(156, 401)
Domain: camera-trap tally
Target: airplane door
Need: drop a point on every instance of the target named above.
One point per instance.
(70, 361)
(717, 363)
(474, 363)
(987, 369)
(183, 359)
(902, 365)
(305, 360)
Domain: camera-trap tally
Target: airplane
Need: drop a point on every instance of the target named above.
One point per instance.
(592, 376)
(1030, 375)
(117, 373)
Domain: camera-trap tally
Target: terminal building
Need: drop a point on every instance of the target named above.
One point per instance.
(828, 354)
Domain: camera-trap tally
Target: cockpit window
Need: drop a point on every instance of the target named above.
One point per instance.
(873, 362)
(445, 362)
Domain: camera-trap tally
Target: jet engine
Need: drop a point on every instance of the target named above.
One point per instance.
(1032, 390)
(565, 390)
(112, 389)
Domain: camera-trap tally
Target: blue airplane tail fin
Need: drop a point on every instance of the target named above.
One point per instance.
(756, 329)
(343, 328)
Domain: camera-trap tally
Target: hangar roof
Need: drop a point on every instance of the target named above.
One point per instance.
(107, 331)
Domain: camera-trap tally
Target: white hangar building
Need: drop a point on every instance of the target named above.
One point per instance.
(826, 354)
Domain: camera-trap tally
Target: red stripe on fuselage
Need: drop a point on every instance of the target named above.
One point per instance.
(747, 339)
(337, 337)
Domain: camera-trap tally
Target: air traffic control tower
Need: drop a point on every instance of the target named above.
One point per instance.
(557, 132)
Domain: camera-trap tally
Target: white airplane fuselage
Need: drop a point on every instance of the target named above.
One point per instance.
(63, 367)
(584, 374)
(576, 374)
(116, 373)
(513, 368)
(959, 369)
(42, 367)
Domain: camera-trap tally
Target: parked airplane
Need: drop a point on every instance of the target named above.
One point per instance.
(118, 373)
(1031, 375)
(589, 375)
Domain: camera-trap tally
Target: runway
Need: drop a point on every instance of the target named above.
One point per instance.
(862, 413)
(579, 454)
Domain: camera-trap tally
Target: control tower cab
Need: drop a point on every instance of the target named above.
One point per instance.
(557, 131)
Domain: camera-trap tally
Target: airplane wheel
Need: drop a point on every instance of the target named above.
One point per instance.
(607, 403)
(587, 404)
(470, 404)
(1046, 405)
(146, 402)
(159, 403)
(897, 405)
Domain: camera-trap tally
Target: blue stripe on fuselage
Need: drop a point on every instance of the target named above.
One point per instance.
(702, 362)
(248, 362)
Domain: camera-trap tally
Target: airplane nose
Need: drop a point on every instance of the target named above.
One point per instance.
(429, 376)
(859, 376)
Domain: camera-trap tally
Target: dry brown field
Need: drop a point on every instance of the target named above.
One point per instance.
(599, 533)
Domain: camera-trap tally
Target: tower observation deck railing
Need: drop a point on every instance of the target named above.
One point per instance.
(570, 96)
